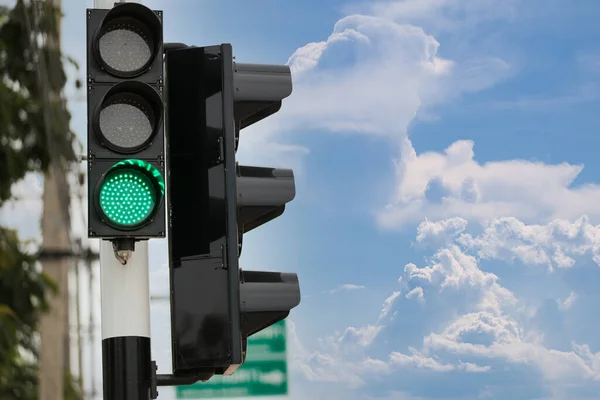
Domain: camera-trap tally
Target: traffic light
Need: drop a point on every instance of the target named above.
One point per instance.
(126, 184)
(215, 305)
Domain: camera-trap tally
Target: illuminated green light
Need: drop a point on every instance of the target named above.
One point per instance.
(129, 193)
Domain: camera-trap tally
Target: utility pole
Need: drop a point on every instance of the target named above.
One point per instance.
(54, 325)
(53, 332)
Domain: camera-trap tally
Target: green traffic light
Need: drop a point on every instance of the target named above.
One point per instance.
(129, 193)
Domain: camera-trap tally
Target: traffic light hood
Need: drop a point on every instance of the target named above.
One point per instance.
(262, 195)
(266, 297)
(258, 91)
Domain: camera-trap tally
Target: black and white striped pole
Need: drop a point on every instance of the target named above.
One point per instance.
(126, 361)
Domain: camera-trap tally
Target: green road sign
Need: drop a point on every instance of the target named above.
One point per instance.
(263, 373)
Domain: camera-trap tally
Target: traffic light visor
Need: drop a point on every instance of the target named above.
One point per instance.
(128, 117)
(129, 194)
(128, 40)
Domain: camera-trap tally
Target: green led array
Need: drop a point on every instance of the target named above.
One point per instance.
(127, 197)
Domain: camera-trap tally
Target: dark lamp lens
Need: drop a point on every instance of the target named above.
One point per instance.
(124, 45)
(126, 122)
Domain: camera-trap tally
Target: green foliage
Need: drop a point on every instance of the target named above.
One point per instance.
(23, 292)
(19, 382)
(70, 388)
(25, 144)
(34, 131)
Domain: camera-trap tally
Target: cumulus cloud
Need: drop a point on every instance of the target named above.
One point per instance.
(558, 243)
(451, 227)
(331, 363)
(509, 343)
(529, 191)
(395, 71)
(456, 270)
(416, 293)
(364, 96)
(493, 313)
(477, 325)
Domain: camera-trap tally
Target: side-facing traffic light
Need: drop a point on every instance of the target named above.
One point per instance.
(126, 184)
(215, 305)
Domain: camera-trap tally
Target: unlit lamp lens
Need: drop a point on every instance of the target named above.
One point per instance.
(124, 49)
(128, 117)
(128, 40)
(126, 125)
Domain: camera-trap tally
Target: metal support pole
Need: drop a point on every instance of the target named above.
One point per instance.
(125, 303)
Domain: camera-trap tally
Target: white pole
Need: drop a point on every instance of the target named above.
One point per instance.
(104, 4)
(125, 293)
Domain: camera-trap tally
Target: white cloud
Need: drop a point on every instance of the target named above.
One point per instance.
(411, 271)
(510, 344)
(555, 244)
(491, 315)
(471, 367)
(490, 326)
(394, 73)
(388, 305)
(346, 287)
(307, 57)
(530, 191)
(446, 15)
(349, 286)
(568, 302)
(418, 360)
(428, 230)
(329, 365)
(334, 368)
(416, 293)
(397, 70)
(364, 97)
(363, 336)
(457, 270)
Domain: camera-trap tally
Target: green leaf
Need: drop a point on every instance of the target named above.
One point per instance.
(6, 311)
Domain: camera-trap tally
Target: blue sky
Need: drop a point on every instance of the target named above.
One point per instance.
(445, 229)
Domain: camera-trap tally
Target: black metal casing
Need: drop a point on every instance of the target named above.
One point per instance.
(202, 240)
(215, 305)
(99, 82)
